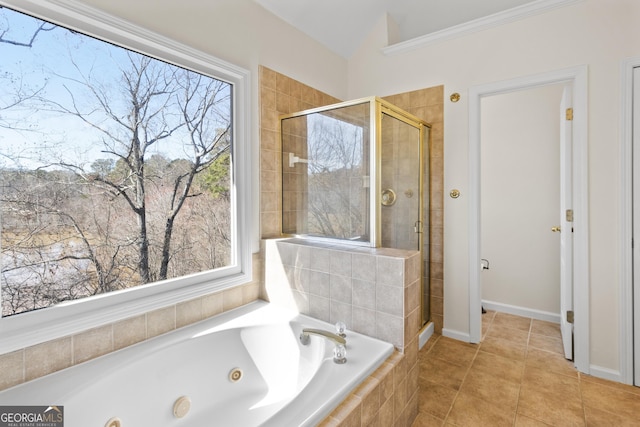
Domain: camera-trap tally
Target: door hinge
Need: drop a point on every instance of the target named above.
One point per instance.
(570, 316)
(569, 215)
(569, 113)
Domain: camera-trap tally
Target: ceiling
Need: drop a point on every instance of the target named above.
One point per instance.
(342, 25)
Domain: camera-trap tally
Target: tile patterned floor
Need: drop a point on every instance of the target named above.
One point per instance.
(517, 376)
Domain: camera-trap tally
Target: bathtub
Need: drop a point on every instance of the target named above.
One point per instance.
(245, 367)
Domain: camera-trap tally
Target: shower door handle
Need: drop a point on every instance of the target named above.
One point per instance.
(417, 227)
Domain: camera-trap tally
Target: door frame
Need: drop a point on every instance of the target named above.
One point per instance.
(627, 285)
(577, 78)
(566, 234)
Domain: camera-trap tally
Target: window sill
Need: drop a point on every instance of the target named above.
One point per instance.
(66, 319)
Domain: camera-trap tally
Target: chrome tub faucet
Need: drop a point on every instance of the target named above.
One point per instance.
(340, 350)
(305, 336)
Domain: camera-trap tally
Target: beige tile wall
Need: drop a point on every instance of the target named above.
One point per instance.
(375, 291)
(51, 356)
(389, 397)
(280, 94)
(294, 180)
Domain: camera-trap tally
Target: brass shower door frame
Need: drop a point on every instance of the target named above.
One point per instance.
(377, 107)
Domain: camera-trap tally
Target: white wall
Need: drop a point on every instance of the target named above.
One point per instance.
(598, 33)
(520, 190)
(238, 31)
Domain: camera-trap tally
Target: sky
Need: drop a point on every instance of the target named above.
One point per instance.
(31, 136)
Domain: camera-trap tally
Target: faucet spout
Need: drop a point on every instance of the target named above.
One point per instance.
(305, 336)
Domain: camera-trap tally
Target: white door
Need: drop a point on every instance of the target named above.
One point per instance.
(566, 225)
(636, 222)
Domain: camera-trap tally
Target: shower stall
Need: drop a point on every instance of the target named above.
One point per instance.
(355, 172)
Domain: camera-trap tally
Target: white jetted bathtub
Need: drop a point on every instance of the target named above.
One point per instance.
(246, 367)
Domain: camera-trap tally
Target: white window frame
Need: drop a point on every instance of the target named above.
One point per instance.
(71, 317)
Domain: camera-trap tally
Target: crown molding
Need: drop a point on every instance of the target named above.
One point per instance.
(521, 12)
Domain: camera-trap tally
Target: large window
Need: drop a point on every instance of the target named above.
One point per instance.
(119, 167)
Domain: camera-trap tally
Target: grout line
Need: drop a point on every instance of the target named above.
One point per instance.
(584, 409)
(464, 378)
(461, 384)
(524, 367)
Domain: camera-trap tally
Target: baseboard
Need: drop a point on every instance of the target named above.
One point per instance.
(521, 311)
(605, 373)
(456, 335)
(425, 334)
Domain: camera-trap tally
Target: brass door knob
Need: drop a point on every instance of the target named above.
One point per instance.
(555, 229)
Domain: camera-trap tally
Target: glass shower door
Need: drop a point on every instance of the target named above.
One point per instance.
(403, 171)
(401, 213)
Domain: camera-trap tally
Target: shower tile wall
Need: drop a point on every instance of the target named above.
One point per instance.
(280, 94)
(374, 291)
(294, 179)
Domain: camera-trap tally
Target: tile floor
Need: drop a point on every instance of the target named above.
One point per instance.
(517, 376)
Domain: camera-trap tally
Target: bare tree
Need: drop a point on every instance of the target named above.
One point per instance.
(160, 103)
(38, 267)
(16, 92)
(26, 40)
(337, 195)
